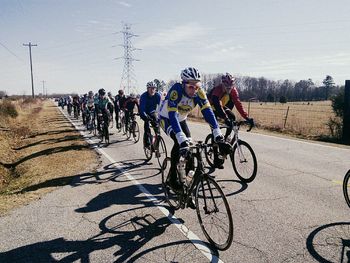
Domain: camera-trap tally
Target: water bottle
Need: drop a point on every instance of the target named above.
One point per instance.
(189, 177)
(181, 168)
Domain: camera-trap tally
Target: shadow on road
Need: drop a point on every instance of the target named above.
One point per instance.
(126, 235)
(330, 243)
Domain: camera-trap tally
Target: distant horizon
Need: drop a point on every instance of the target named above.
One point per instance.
(78, 41)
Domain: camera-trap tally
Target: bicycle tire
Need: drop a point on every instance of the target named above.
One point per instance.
(236, 161)
(346, 187)
(148, 153)
(128, 132)
(136, 131)
(161, 152)
(212, 230)
(170, 196)
(209, 151)
(122, 124)
(106, 133)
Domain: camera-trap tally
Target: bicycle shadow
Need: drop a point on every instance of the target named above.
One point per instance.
(124, 233)
(330, 243)
(226, 186)
(129, 195)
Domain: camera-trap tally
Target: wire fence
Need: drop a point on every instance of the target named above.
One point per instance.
(308, 119)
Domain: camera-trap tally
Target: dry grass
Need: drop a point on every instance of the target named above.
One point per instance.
(307, 120)
(38, 146)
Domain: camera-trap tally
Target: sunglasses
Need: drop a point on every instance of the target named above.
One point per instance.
(194, 85)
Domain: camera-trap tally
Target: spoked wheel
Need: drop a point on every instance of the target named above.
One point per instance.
(346, 187)
(161, 152)
(106, 133)
(244, 161)
(170, 196)
(148, 152)
(122, 123)
(128, 132)
(209, 150)
(214, 214)
(136, 131)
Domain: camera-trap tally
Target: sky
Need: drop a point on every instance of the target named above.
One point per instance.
(78, 41)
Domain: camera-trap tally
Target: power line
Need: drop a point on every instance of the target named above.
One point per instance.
(30, 45)
(128, 78)
(12, 53)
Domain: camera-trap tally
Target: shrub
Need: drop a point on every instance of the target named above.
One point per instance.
(7, 109)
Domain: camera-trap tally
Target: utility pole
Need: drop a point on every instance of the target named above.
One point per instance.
(346, 117)
(43, 87)
(30, 45)
(128, 78)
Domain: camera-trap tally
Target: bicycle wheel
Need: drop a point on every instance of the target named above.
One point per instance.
(244, 161)
(214, 214)
(136, 131)
(161, 152)
(106, 133)
(128, 132)
(346, 187)
(148, 152)
(170, 196)
(122, 123)
(209, 151)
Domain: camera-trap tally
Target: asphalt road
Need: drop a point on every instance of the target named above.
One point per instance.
(294, 211)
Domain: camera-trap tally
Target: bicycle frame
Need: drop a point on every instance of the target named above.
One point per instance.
(199, 174)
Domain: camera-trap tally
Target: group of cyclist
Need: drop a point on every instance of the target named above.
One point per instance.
(171, 113)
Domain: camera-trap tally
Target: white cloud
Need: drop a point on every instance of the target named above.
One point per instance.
(174, 36)
(124, 4)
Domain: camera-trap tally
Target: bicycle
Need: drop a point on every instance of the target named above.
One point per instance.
(69, 109)
(121, 124)
(346, 187)
(210, 200)
(104, 123)
(90, 121)
(76, 111)
(156, 145)
(242, 156)
(133, 128)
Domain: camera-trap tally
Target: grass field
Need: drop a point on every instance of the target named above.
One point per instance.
(305, 119)
(39, 151)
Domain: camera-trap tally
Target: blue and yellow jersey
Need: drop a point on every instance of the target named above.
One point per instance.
(177, 105)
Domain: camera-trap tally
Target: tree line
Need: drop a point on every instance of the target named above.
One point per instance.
(266, 90)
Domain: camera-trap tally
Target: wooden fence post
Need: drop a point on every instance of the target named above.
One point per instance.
(285, 119)
(346, 117)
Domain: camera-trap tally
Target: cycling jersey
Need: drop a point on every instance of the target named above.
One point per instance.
(130, 103)
(148, 104)
(176, 107)
(219, 98)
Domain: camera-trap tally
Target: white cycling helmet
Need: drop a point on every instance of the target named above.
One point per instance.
(151, 84)
(190, 74)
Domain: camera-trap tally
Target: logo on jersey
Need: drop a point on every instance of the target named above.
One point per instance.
(201, 94)
(174, 95)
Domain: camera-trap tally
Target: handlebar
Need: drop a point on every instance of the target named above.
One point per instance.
(238, 124)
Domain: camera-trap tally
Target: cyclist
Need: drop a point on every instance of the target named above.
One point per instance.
(129, 106)
(118, 101)
(76, 105)
(111, 108)
(223, 98)
(90, 107)
(179, 101)
(83, 108)
(103, 106)
(149, 101)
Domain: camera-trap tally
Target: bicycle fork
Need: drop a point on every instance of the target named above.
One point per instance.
(215, 208)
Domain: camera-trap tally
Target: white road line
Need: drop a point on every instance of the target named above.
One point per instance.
(196, 241)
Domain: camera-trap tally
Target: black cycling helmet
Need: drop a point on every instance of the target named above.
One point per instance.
(101, 92)
(121, 92)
